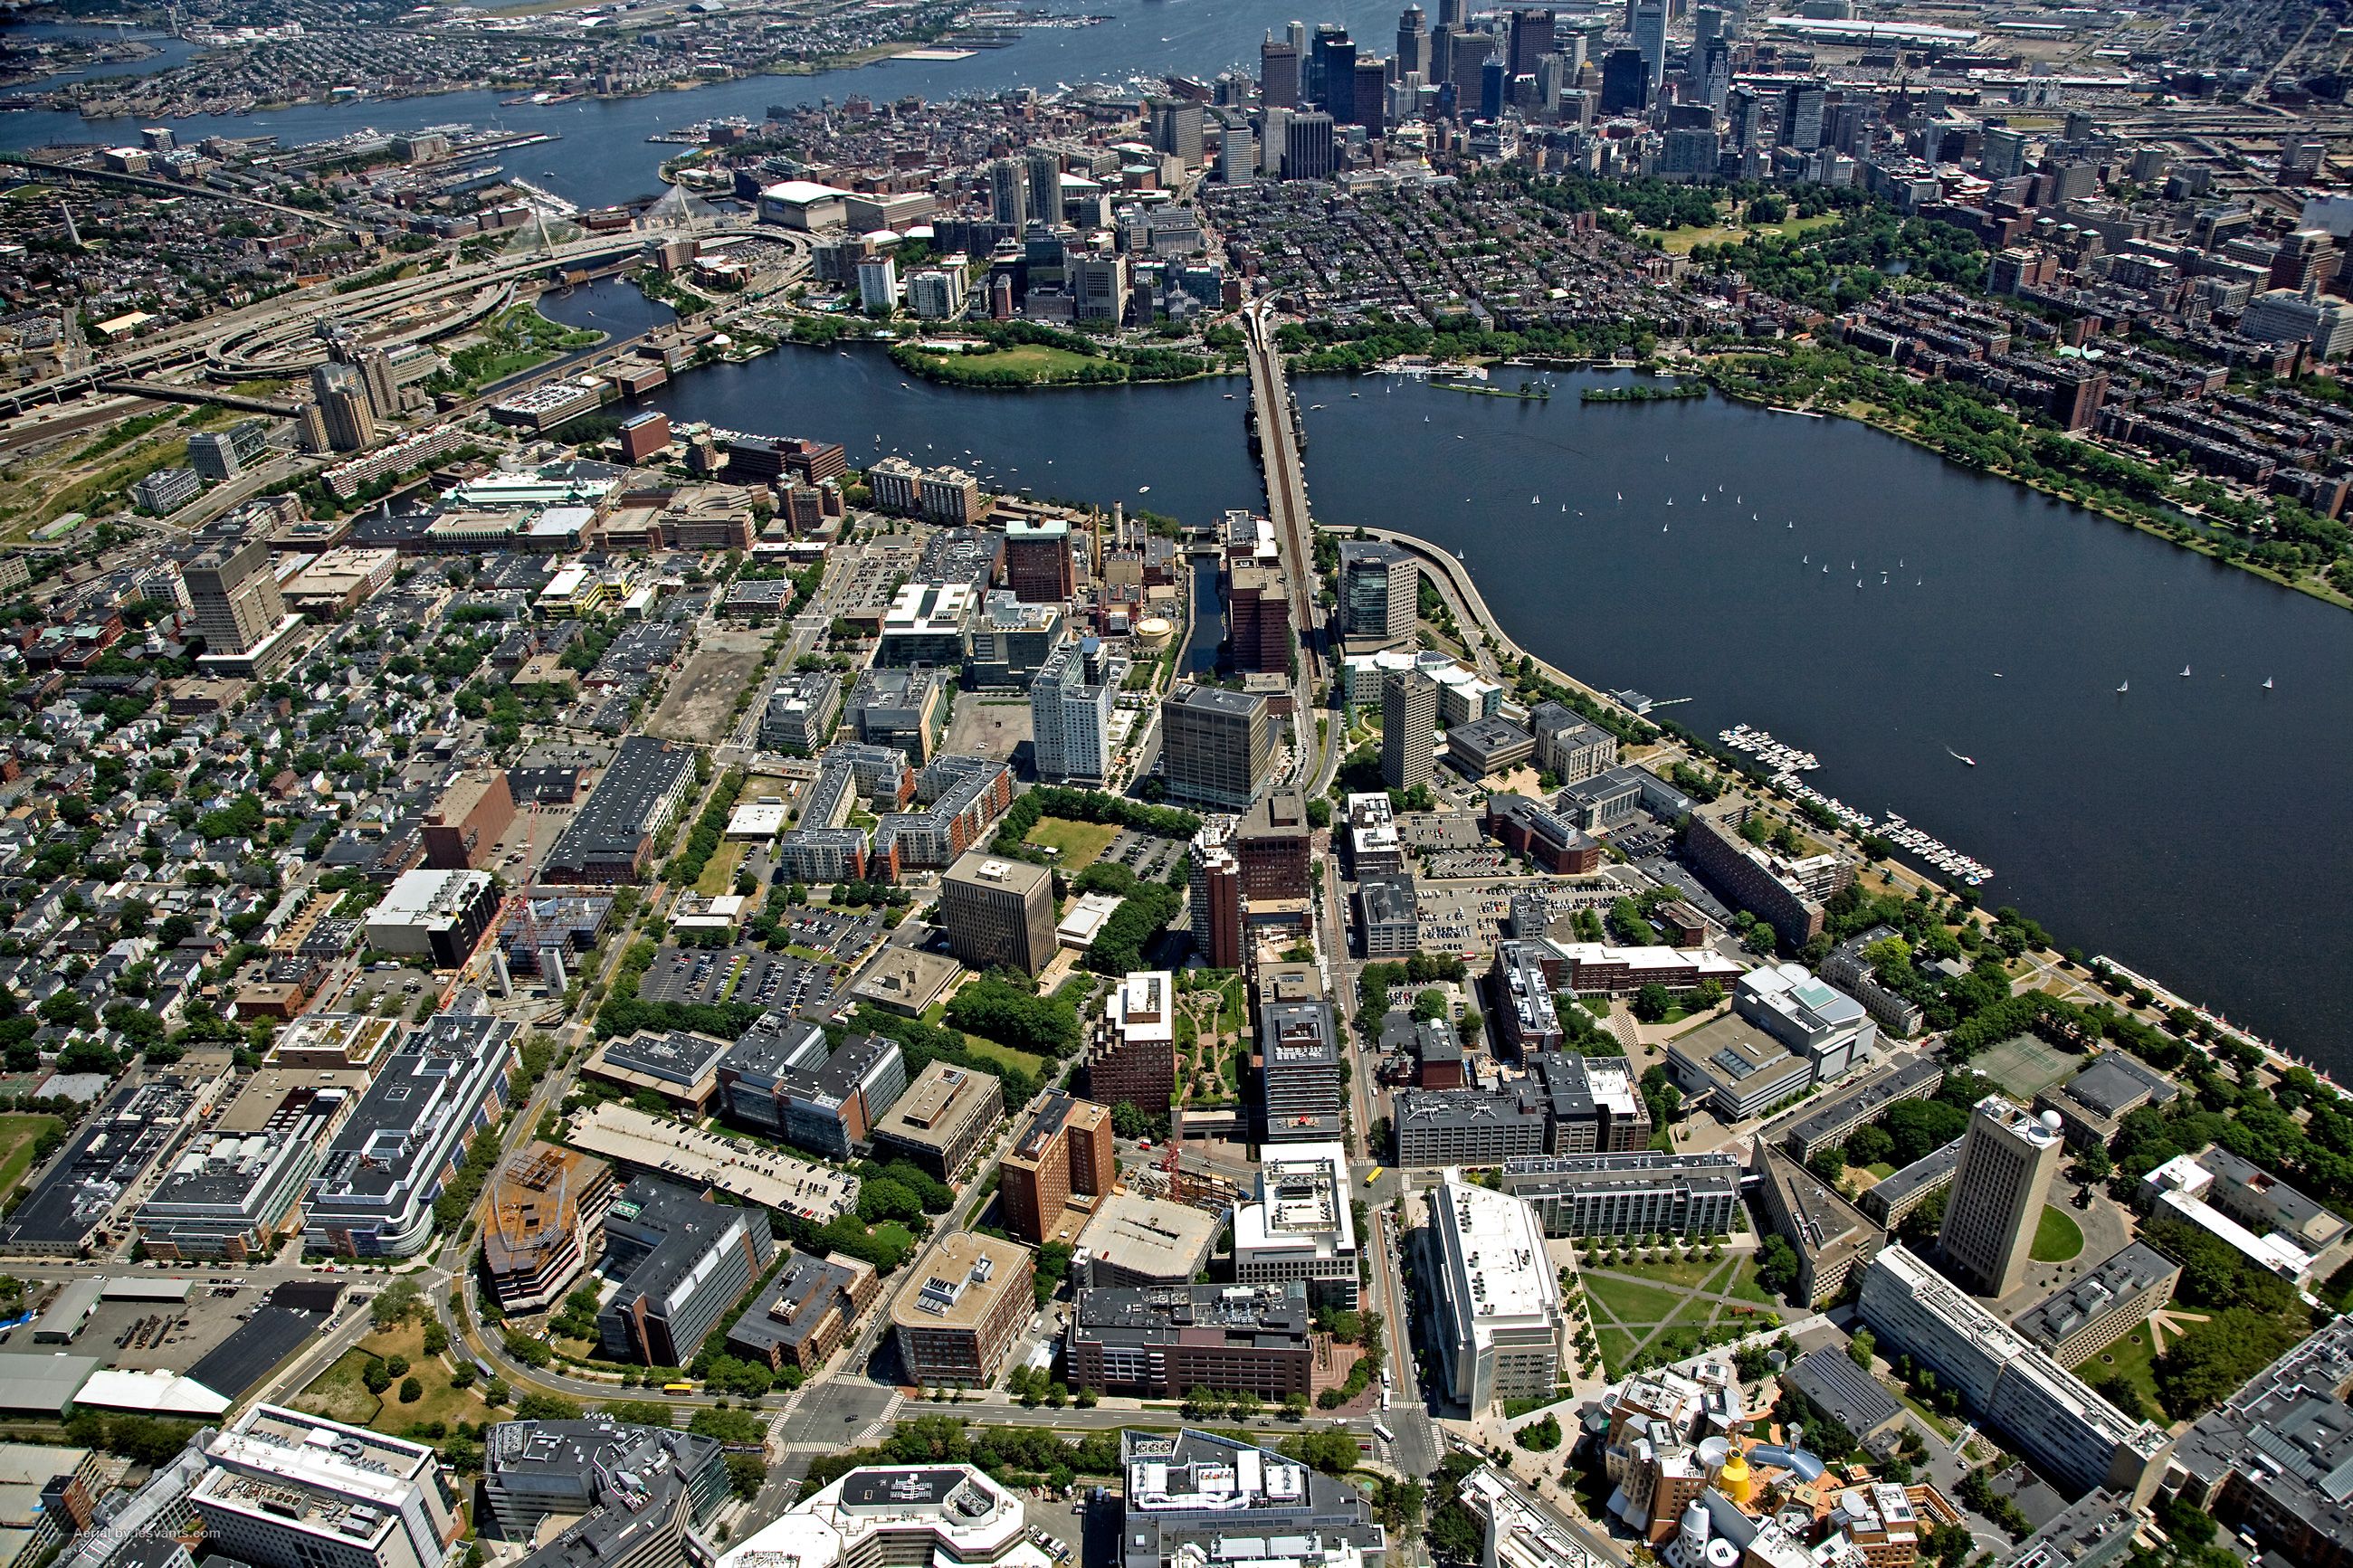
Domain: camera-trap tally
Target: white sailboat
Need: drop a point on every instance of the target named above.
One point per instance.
(2124, 688)
(2267, 683)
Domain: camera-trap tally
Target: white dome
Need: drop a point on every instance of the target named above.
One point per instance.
(2051, 1120)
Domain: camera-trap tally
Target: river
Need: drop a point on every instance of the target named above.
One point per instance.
(2148, 824)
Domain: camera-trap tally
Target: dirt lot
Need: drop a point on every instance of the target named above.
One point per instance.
(701, 699)
(987, 728)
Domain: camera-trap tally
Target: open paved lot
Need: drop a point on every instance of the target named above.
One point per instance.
(701, 699)
(988, 727)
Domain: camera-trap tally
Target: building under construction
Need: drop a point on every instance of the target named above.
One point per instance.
(545, 1204)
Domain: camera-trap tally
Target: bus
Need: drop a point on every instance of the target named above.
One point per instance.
(1374, 1177)
(1383, 1433)
(678, 1388)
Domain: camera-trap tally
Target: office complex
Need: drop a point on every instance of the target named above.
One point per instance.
(439, 915)
(1249, 879)
(1501, 1331)
(2088, 1315)
(2008, 1158)
(998, 914)
(372, 1195)
(2008, 1382)
(1380, 586)
(897, 1514)
(678, 1065)
(232, 595)
(1298, 1226)
(1408, 729)
(1217, 747)
(785, 1076)
(627, 1497)
(805, 1312)
(1565, 1105)
(1567, 747)
(1038, 564)
(2260, 1216)
(1163, 1342)
(224, 454)
(682, 1262)
(1299, 1072)
(1070, 707)
(943, 1119)
(957, 1323)
(1630, 1194)
(282, 1489)
(1065, 1153)
(801, 713)
(898, 708)
(612, 835)
(1194, 1498)
(1826, 1027)
(545, 1205)
(236, 1191)
(1830, 1234)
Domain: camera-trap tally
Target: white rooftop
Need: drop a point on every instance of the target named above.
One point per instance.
(1497, 1249)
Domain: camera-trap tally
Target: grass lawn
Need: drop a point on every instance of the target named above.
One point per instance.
(719, 871)
(18, 1134)
(1040, 362)
(1680, 241)
(1937, 1424)
(892, 1231)
(1881, 1169)
(1079, 842)
(1617, 1349)
(1689, 1275)
(1744, 1285)
(340, 1394)
(1025, 1061)
(1630, 1302)
(2057, 1237)
(2129, 1359)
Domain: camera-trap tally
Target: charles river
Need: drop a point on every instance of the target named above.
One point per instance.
(2198, 828)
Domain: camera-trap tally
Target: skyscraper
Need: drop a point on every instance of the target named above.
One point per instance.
(1624, 85)
(2008, 1156)
(1216, 749)
(234, 596)
(1409, 728)
(1336, 75)
(1277, 74)
(1045, 167)
(1176, 129)
(1801, 117)
(1412, 44)
(1008, 192)
(1450, 12)
(1494, 87)
(1650, 38)
(1372, 87)
(1531, 40)
(1471, 52)
(1715, 71)
(1743, 117)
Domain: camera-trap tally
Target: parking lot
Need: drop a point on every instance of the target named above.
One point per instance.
(1467, 921)
(705, 976)
(840, 934)
(1147, 855)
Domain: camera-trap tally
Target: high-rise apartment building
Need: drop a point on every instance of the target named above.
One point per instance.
(1409, 728)
(2007, 1157)
(234, 596)
(1217, 747)
(1380, 586)
(1070, 718)
(1008, 192)
(1044, 167)
(344, 405)
(1065, 1152)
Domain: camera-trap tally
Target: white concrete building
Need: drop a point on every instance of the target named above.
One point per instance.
(283, 1489)
(1298, 1226)
(1501, 1332)
(898, 1513)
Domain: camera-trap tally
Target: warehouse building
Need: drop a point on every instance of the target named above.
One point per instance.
(612, 835)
